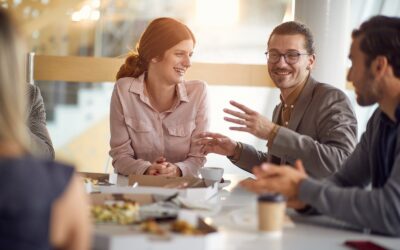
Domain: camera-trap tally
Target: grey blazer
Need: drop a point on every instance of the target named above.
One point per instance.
(39, 136)
(377, 209)
(322, 132)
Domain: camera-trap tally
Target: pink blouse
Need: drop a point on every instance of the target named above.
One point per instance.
(140, 134)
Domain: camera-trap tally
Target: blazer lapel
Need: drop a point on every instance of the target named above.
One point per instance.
(275, 118)
(302, 104)
(277, 113)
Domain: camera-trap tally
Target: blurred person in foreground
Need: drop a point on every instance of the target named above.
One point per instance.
(155, 113)
(42, 203)
(375, 73)
(314, 121)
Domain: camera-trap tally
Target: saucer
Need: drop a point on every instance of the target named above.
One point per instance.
(224, 184)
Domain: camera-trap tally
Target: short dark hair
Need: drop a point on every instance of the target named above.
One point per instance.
(380, 36)
(294, 28)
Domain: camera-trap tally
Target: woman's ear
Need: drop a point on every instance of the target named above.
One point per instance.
(156, 59)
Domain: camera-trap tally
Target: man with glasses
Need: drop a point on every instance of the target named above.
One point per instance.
(375, 73)
(314, 121)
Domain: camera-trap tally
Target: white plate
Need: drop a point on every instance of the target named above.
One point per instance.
(224, 184)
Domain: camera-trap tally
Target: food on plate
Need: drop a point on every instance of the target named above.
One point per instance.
(91, 180)
(179, 226)
(184, 227)
(151, 226)
(120, 212)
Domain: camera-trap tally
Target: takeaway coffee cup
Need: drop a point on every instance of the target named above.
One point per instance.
(211, 174)
(271, 213)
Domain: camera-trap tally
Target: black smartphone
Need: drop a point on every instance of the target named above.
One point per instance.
(364, 245)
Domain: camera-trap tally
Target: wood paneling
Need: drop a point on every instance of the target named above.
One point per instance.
(102, 69)
(75, 69)
(96, 69)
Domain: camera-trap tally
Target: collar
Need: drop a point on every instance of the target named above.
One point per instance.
(182, 93)
(292, 98)
(397, 114)
(138, 86)
(385, 119)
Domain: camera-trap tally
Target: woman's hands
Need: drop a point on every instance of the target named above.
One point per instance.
(163, 168)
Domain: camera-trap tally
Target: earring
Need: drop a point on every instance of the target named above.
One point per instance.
(308, 67)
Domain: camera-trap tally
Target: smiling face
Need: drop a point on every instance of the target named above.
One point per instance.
(172, 67)
(284, 75)
(366, 88)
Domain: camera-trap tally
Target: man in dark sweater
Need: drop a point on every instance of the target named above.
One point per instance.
(375, 74)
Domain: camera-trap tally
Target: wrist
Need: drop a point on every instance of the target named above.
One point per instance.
(303, 208)
(178, 171)
(272, 134)
(298, 184)
(270, 129)
(233, 150)
(147, 171)
(235, 157)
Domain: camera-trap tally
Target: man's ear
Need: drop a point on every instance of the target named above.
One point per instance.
(311, 62)
(379, 66)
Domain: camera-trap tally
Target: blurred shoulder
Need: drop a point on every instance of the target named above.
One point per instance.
(196, 86)
(59, 173)
(324, 90)
(29, 171)
(54, 168)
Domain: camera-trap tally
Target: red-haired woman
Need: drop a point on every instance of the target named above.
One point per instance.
(155, 114)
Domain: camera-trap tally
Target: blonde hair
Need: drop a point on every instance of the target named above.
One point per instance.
(13, 91)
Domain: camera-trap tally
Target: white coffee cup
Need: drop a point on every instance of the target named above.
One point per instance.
(211, 174)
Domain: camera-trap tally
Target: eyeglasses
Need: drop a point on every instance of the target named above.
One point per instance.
(290, 57)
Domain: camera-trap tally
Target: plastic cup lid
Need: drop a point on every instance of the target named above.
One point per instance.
(274, 197)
